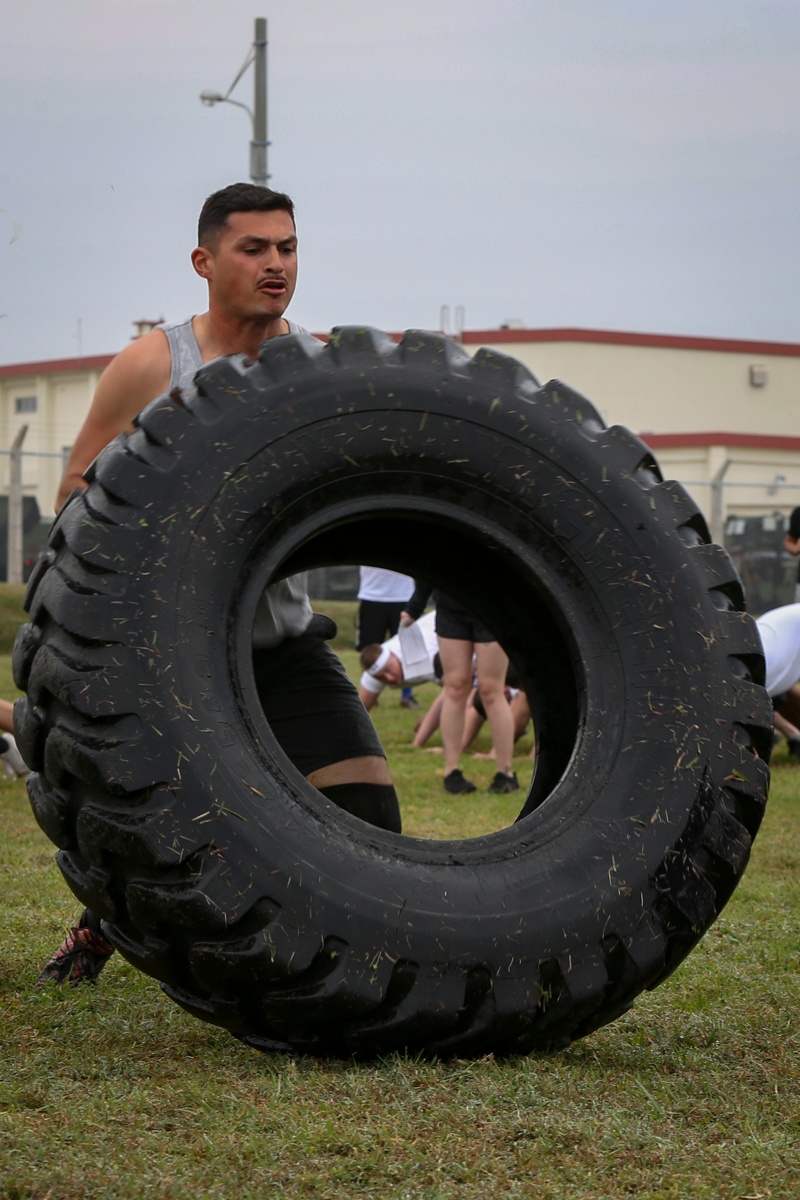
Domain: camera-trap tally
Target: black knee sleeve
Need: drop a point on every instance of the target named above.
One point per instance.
(375, 803)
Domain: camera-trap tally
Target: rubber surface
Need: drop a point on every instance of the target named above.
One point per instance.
(217, 869)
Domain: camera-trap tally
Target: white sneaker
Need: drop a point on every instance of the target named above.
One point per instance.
(13, 762)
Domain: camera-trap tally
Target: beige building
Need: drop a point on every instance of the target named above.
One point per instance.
(719, 414)
(51, 399)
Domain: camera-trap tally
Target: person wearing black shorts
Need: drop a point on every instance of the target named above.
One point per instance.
(467, 647)
(382, 599)
(247, 254)
(318, 719)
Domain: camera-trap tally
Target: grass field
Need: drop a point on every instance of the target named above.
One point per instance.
(113, 1092)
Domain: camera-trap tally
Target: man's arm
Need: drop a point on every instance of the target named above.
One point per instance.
(369, 689)
(368, 699)
(136, 376)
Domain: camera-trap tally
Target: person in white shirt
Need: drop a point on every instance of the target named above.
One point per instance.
(382, 598)
(780, 637)
(10, 757)
(391, 665)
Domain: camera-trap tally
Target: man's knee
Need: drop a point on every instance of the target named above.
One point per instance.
(367, 768)
(375, 803)
(457, 689)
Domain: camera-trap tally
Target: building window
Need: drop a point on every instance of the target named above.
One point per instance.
(25, 404)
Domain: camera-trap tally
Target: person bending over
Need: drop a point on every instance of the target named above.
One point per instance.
(384, 665)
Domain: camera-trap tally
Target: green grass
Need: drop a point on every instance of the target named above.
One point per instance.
(11, 614)
(113, 1092)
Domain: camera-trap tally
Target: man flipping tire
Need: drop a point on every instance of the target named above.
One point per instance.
(247, 254)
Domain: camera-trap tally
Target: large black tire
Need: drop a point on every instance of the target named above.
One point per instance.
(259, 905)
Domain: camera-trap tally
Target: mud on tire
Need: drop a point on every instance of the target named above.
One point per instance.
(221, 872)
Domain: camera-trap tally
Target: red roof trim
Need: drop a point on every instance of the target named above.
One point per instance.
(496, 337)
(750, 441)
(493, 337)
(56, 366)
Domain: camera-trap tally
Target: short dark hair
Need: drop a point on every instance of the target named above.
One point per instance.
(238, 197)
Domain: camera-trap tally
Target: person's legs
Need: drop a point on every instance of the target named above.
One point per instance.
(377, 621)
(492, 664)
(10, 757)
(81, 956)
(456, 656)
(6, 716)
(474, 717)
(316, 715)
(521, 714)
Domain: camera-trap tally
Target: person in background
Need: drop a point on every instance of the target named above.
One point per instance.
(462, 640)
(475, 717)
(792, 543)
(779, 630)
(382, 598)
(383, 664)
(13, 763)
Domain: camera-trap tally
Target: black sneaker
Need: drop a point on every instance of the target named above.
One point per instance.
(502, 784)
(82, 956)
(457, 785)
(794, 748)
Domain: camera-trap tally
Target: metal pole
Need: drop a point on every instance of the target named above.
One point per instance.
(258, 146)
(14, 544)
(717, 522)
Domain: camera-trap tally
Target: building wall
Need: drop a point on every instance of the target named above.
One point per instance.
(668, 388)
(660, 387)
(672, 391)
(62, 393)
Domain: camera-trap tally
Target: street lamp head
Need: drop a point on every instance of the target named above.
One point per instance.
(257, 58)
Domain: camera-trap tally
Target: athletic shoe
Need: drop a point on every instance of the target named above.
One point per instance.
(794, 748)
(13, 763)
(457, 785)
(82, 956)
(502, 784)
(408, 702)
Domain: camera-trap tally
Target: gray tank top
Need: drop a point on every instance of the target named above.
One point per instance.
(284, 609)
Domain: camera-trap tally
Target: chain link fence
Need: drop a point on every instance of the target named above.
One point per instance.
(754, 542)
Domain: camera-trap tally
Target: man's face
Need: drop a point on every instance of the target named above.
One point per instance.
(252, 266)
(392, 673)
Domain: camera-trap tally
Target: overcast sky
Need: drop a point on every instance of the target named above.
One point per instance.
(620, 165)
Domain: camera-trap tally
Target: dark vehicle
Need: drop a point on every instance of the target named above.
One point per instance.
(767, 571)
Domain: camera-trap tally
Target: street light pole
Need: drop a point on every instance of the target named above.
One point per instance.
(15, 511)
(258, 116)
(258, 146)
